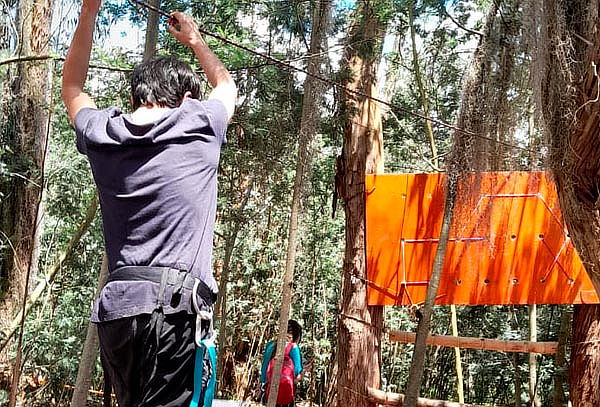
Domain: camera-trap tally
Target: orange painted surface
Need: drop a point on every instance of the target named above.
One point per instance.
(508, 243)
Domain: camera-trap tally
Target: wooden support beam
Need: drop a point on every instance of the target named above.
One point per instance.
(387, 398)
(478, 343)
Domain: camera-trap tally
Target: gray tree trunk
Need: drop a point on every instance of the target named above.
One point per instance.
(90, 349)
(313, 92)
(151, 31)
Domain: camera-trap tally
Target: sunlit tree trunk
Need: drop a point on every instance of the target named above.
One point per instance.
(584, 372)
(89, 354)
(566, 85)
(23, 137)
(534, 398)
(313, 92)
(360, 325)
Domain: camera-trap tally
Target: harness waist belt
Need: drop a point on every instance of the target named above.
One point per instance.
(164, 276)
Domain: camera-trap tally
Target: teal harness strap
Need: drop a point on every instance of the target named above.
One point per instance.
(198, 367)
(209, 392)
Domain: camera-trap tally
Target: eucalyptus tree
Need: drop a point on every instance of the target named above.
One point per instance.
(565, 84)
(24, 137)
(359, 325)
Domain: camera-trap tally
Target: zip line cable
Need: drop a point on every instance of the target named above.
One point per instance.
(330, 82)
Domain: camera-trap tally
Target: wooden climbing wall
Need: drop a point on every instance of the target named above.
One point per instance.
(508, 243)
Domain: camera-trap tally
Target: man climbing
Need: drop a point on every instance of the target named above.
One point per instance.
(155, 170)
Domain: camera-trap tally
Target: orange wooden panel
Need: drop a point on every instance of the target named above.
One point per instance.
(508, 243)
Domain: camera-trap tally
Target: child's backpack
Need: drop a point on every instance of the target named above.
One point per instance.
(285, 395)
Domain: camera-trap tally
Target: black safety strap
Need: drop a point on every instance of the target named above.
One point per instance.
(179, 278)
(172, 276)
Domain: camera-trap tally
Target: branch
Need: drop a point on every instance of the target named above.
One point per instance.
(460, 25)
(30, 58)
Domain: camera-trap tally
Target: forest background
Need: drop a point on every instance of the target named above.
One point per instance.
(421, 50)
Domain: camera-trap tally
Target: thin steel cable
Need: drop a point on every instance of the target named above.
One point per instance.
(330, 82)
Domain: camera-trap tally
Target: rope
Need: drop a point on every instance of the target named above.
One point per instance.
(335, 84)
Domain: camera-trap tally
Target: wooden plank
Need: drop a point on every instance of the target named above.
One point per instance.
(394, 399)
(478, 343)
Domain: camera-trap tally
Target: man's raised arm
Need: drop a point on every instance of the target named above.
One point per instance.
(224, 88)
(78, 59)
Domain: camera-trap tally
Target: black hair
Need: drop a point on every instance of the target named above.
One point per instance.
(163, 81)
(295, 329)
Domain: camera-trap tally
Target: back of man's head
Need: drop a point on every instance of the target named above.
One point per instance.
(163, 81)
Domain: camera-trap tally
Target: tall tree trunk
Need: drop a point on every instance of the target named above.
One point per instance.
(421, 86)
(89, 353)
(359, 325)
(584, 372)
(418, 360)
(52, 271)
(518, 382)
(151, 31)
(221, 305)
(566, 86)
(560, 378)
(457, 360)
(462, 160)
(534, 398)
(313, 92)
(435, 163)
(25, 133)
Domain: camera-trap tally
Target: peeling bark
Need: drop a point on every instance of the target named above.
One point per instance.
(359, 325)
(25, 132)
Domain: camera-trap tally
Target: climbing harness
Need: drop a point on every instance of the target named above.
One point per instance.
(180, 278)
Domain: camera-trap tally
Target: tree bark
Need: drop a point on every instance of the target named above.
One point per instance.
(25, 133)
(534, 398)
(359, 325)
(566, 85)
(560, 378)
(221, 305)
(584, 372)
(518, 382)
(313, 92)
(151, 31)
(90, 349)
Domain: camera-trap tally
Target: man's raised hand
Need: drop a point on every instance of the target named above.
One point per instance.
(184, 29)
